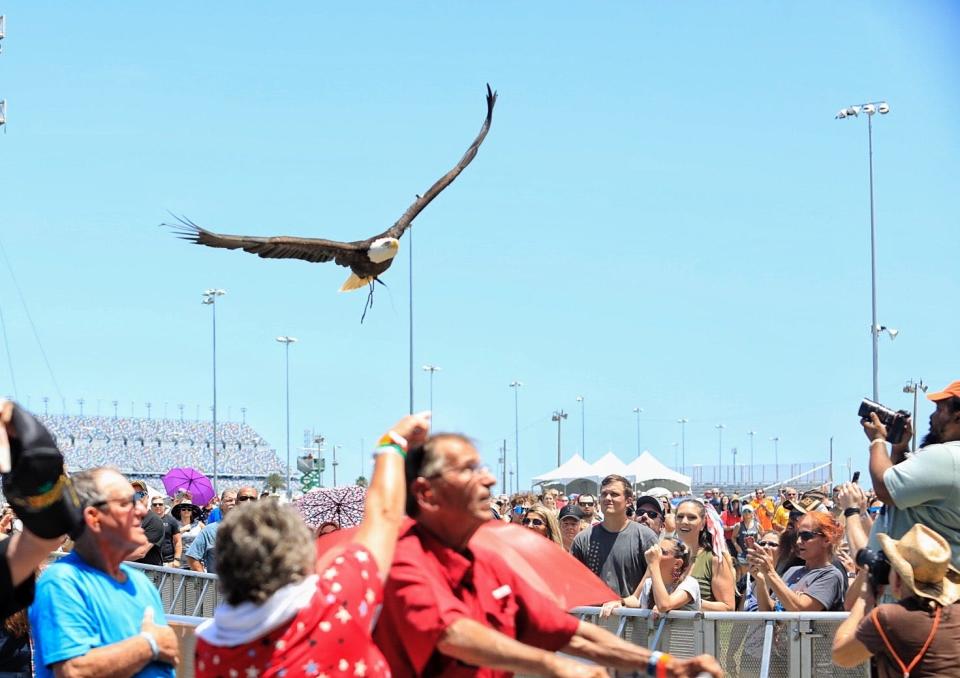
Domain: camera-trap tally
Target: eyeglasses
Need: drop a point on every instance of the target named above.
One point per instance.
(586, 503)
(649, 514)
(157, 504)
(123, 502)
(245, 497)
(536, 522)
(791, 494)
(471, 470)
(772, 544)
(807, 535)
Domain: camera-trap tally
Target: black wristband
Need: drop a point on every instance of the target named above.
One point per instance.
(852, 511)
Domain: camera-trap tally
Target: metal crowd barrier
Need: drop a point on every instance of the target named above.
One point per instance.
(747, 644)
(183, 592)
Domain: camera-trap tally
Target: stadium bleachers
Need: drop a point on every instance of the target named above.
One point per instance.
(148, 448)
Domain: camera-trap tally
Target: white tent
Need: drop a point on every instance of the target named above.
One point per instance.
(610, 464)
(573, 469)
(647, 471)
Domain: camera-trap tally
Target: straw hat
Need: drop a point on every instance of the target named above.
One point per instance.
(922, 559)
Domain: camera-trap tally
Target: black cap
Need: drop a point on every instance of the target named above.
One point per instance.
(572, 511)
(647, 499)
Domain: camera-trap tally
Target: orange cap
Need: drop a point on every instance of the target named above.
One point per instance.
(951, 391)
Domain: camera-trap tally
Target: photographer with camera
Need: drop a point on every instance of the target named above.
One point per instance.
(40, 493)
(919, 634)
(923, 487)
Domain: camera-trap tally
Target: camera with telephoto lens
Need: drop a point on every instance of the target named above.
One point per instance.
(878, 567)
(894, 420)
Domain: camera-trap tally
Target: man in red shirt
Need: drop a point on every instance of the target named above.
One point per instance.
(449, 613)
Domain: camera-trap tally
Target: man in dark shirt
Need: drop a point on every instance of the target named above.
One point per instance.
(614, 549)
(153, 527)
(171, 548)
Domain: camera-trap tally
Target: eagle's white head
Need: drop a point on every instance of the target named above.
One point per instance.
(383, 249)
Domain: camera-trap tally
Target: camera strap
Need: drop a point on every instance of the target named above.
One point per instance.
(893, 653)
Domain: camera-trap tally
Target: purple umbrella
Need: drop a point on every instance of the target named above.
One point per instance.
(191, 480)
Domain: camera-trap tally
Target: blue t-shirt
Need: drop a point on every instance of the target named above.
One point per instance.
(204, 548)
(78, 608)
(215, 516)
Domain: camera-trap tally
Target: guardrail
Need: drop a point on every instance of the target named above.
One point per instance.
(747, 644)
(184, 592)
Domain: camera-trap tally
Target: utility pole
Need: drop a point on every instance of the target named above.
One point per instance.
(913, 387)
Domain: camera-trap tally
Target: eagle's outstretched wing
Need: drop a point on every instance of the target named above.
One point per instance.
(403, 223)
(279, 247)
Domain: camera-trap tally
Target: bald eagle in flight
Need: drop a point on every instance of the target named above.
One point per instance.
(366, 259)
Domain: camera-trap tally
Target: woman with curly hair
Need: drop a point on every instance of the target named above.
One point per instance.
(815, 586)
(285, 612)
(544, 521)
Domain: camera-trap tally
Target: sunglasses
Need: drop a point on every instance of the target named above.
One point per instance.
(536, 522)
(587, 503)
(874, 510)
(772, 544)
(139, 494)
(518, 510)
(807, 535)
(157, 504)
(243, 497)
(652, 515)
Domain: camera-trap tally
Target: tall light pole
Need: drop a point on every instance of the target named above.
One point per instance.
(583, 428)
(913, 387)
(431, 369)
(210, 299)
(638, 411)
(558, 416)
(683, 442)
(719, 428)
(870, 109)
(515, 385)
(286, 341)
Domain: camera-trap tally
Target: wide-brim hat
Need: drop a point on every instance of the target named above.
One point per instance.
(176, 510)
(922, 559)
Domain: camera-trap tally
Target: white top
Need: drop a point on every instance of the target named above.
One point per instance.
(689, 585)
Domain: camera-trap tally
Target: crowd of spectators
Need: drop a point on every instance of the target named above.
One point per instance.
(454, 605)
(151, 447)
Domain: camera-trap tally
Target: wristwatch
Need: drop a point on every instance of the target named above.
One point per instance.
(154, 648)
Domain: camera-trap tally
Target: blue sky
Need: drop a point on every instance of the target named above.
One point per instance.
(665, 214)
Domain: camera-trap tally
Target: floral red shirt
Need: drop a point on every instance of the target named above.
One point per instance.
(328, 638)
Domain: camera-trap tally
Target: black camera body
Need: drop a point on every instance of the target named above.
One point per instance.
(894, 420)
(878, 567)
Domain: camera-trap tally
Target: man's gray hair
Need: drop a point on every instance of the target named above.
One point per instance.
(86, 486)
(262, 547)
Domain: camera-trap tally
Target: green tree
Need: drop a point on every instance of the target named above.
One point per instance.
(361, 481)
(275, 482)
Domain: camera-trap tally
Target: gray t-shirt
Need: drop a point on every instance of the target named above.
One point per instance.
(926, 490)
(823, 584)
(615, 557)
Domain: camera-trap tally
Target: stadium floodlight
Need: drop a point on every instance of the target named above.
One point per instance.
(431, 369)
(870, 108)
(210, 299)
(286, 341)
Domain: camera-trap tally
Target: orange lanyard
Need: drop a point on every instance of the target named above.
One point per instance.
(893, 653)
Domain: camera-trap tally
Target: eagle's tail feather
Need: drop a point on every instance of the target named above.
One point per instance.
(354, 282)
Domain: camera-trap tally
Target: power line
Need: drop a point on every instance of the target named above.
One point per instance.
(26, 309)
(6, 346)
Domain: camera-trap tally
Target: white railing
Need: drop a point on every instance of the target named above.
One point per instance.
(747, 644)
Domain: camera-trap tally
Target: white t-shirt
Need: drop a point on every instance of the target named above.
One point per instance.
(689, 585)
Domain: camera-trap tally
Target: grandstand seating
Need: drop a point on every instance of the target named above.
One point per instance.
(148, 448)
